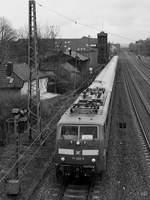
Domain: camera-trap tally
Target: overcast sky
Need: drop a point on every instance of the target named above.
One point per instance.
(127, 18)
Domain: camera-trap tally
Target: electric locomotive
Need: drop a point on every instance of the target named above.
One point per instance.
(83, 130)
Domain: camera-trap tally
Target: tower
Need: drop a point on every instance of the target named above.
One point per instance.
(34, 118)
(102, 48)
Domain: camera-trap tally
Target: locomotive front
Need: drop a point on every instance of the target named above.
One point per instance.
(79, 149)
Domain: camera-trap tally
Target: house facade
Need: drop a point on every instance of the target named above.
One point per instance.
(16, 84)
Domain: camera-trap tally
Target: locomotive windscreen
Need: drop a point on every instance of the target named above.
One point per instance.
(79, 132)
(69, 132)
(88, 132)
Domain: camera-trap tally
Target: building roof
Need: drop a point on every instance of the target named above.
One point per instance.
(22, 71)
(19, 75)
(74, 54)
(102, 33)
(9, 82)
(67, 66)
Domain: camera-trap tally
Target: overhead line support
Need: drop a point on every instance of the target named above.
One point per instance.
(34, 117)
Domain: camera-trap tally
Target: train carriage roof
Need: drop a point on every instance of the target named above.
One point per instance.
(91, 106)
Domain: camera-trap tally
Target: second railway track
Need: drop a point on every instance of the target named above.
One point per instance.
(141, 131)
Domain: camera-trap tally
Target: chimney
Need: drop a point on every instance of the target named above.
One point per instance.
(9, 68)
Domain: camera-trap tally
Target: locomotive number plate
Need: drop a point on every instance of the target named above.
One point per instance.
(77, 158)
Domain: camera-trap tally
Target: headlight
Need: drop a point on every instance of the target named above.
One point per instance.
(93, 160)
(62, 159)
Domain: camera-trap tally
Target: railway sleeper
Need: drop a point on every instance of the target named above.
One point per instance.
(76, 192)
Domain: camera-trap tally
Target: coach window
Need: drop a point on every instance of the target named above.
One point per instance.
(69, 132)
(88, 132)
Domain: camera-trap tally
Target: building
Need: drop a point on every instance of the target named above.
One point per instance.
(76, 44)
(102, 46)
(77, 60)
(70, 60)
(14, 80)
(73, 72)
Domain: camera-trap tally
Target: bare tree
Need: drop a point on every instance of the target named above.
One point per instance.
(51, 32)
(7, 34)
(22, 33)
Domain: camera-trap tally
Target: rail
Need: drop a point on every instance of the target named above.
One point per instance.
(80, 189)
(140, 125)
(142, 73)
(146, 105)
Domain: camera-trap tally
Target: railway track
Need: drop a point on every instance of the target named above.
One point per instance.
(145, 73)
(75, 189)
(144, 63)
(47, 135)
(123, 168)
(78, 192)
(90, 191)
(33, 155)
(141, 130)
(143, 99)
(142, 73)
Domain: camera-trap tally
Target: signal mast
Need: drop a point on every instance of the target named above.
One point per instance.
(34, 117)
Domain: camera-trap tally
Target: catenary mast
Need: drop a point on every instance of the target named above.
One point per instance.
(34, 118)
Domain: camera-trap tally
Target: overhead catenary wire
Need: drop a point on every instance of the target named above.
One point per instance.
(59, 14)
(83, 24)
(124, 37)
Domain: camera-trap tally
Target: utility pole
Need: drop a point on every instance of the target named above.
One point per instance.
(34, 116)
(75, 75)
(13, 185)
(89, 48)
(16, 118)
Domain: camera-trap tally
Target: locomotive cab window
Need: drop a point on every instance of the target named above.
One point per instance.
(69, 132)
(88, 132)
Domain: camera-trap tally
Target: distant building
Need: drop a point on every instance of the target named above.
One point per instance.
(102, 46)
(77, 60)
(76, 44)
(69, 67)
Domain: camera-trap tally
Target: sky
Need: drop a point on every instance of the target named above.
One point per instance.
(125, 21)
